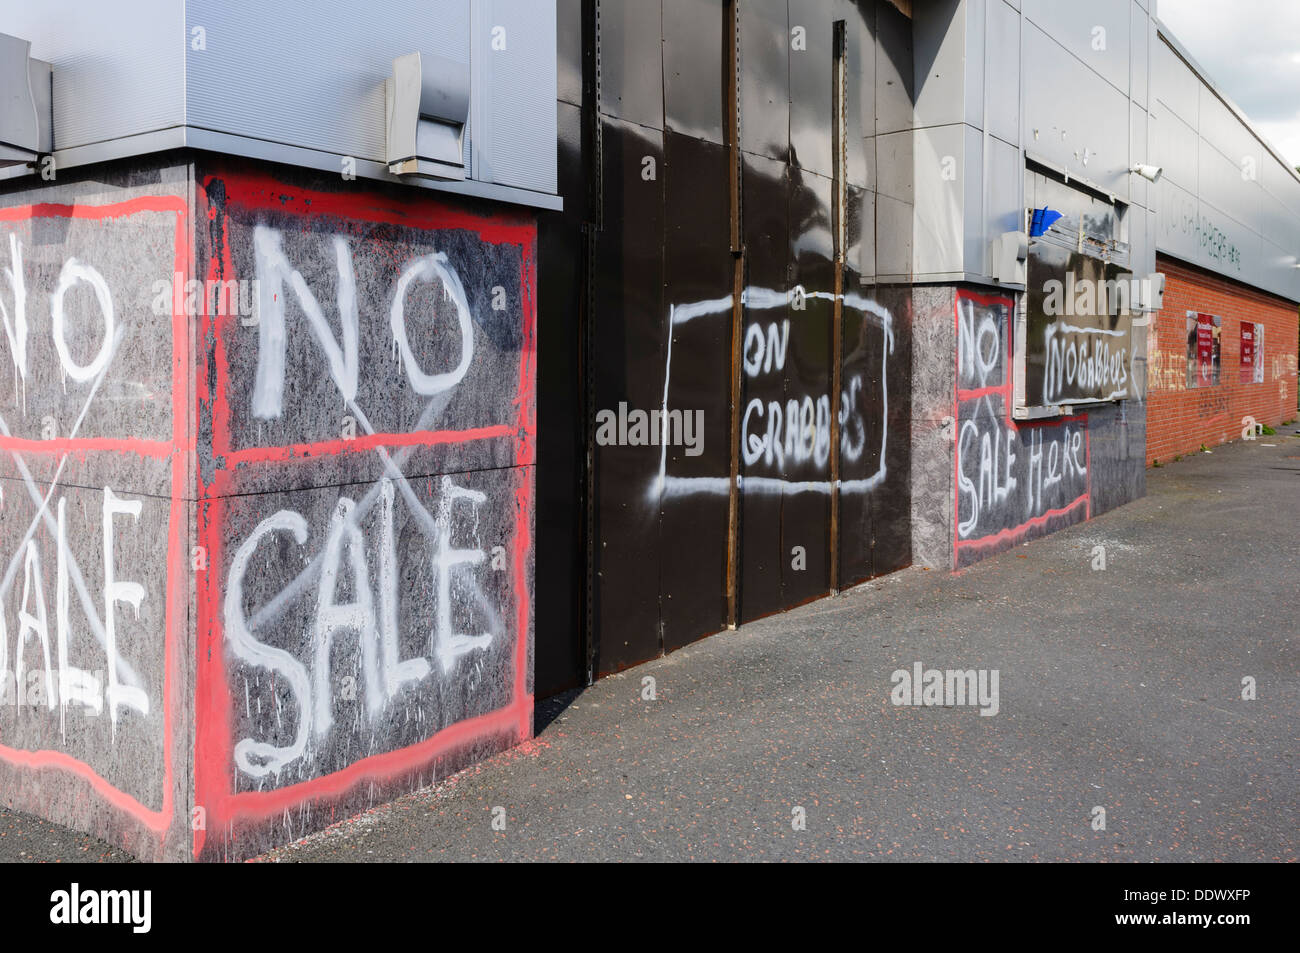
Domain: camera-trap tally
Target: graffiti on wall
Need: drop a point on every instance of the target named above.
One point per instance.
(368, 500)
(798, 428)
(1013, 479)
(92, 489)
(1078, 328)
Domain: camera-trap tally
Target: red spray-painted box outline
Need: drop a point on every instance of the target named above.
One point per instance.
(156, 821)
(1007, 391)
(213, 756)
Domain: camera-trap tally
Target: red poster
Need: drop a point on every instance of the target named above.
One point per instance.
(1202, 349)
(1247, 352)
(1204, 346)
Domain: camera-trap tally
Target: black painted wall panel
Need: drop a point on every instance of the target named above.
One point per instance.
(629, 337)
(660, 525)
(561, 578)
(766, 190)
(858, 409)
(697, 271)
(806, 509)
(891, 502)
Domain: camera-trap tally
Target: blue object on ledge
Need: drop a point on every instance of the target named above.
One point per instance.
(1043, 219)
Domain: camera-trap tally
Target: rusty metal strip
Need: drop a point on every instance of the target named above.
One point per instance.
(586, 325)
(731, 83)
(839, 212)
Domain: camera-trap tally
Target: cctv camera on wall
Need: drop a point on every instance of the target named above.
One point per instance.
(1151, 173)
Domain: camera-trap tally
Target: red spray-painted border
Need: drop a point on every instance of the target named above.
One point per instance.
(259, 193)
(156, 821)
(1007, 390)
(213, 757)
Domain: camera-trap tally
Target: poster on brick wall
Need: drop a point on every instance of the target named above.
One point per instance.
(1247, 351)
(1257, 376)
(1203, 331)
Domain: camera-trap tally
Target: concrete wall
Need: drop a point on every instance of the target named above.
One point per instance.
(268, 446)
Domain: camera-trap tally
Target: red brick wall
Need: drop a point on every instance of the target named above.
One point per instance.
(1180, 419)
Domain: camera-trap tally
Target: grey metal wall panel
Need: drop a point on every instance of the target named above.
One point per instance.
(1174, 84)
(1176, 220)
(1091, 89)
(1231, 188)
(894, 220)
(894, 165)
(1141, 32)
(1278, 267)
(1220, 127)
(271, 72)
(1004, 203)
(1139, 150)
(1195, 231)
(976, 233)
(1076, 29)
(1174, 147)
(1002, 73)
(1080, 117)
(115, 75)
(895, 71)
(1282, 187)
(1142, 249)
(940, 74)
(515, 81)
(860, 254)
(1226, 202)
(973, 98)
(939, 244)
(1280, 213)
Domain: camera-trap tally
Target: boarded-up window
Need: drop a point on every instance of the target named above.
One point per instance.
(1075, 340)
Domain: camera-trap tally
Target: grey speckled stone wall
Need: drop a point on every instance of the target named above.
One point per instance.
(95, 502)
(266, 474)
(934, 344)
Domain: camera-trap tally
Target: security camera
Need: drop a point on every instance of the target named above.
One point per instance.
(1151, 173)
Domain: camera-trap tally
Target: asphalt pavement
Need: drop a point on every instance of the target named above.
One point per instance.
(1119, 689)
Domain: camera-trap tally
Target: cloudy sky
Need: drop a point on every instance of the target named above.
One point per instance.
(1251, 49)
